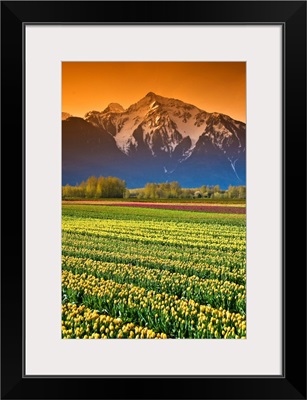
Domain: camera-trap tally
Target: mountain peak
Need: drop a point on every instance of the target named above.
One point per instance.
(114, 107)
(158, 136)
(151, 94)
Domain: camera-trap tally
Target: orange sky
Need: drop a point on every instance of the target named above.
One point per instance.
(211, 86)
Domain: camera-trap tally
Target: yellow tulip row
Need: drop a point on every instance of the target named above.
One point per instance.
(170, 252)
(210, 291)
(176, 317)
(182, 267)
(180, 273)
(202, 269)
(213, 268)
(170, 241)
(80, 322)
(193, 236)
(154, 226)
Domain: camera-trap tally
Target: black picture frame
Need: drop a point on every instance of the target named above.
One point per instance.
(292, 16)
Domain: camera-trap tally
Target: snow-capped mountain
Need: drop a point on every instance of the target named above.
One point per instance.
(163, 139)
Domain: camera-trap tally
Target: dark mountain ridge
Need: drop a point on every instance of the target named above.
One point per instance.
(157, 139)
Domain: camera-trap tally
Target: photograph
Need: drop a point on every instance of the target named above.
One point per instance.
(154, 200)
(157, 148)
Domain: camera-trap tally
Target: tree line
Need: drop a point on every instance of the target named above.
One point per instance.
(96, 188)
(173, 190)
(112, 187)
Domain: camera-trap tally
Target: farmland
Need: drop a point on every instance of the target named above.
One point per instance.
(153, 272)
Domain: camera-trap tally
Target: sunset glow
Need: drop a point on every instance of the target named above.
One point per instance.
(211, 86)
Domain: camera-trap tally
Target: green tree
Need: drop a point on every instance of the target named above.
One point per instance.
(91, 185)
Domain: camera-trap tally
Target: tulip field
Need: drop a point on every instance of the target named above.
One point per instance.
(154, 273)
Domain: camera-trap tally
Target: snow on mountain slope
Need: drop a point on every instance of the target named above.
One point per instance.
(171, 132)
(164, 121)
(172, 118)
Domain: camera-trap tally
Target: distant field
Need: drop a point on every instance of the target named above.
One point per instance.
(134, 272)
(237, 202)
(187, 206)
